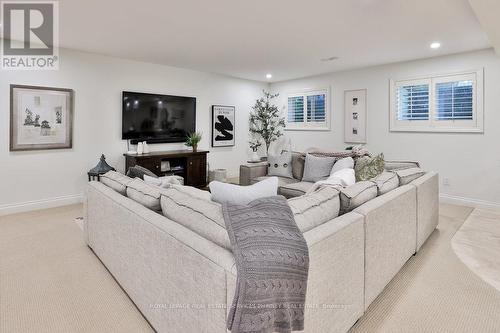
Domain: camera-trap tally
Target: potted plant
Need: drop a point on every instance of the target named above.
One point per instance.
(266, 120)
(254, 145)
(193, 139)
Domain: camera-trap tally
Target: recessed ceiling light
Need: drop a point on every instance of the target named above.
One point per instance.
(435, 45)
(329, 59)
(269, 76)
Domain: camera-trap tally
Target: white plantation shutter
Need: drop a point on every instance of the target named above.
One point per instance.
(316, 108)
(413, 102)
(454, 100)
(308, 110)
(295, 109)
(440, 103)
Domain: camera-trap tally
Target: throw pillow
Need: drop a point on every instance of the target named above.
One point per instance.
(343, 163)
(139, 172)
(298, 161)
(369, 167)
(243, 195)
(280, 165)
(356, 195)
(406, 176)
(116, 181)
(163, 182)
(317, 168)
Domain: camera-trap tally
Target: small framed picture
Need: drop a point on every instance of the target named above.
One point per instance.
(40, 118)
(223, 126)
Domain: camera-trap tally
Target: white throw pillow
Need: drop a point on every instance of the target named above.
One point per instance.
(243, 195)
(163, 182)
(346, 176)
(280, 165)
(343, 163)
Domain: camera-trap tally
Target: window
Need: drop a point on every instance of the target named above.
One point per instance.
(442, 103)
(308, 111)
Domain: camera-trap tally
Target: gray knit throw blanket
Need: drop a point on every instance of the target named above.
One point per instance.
(272, 260)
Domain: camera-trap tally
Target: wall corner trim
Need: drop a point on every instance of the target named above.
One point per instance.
(469, 202)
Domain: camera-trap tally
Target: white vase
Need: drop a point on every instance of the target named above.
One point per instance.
(255, 157)
(145, 147)
(140, 148)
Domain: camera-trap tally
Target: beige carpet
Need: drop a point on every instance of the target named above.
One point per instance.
(51, 282)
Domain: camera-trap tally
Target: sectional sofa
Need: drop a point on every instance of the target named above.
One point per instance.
(182, 281)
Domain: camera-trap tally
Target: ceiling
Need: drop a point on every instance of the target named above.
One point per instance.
(287, 38)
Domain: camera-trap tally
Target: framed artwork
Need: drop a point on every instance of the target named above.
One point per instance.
(355, 116)
(40, 118)
(223, 130)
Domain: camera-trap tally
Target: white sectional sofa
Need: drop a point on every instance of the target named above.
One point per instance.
(183, 282)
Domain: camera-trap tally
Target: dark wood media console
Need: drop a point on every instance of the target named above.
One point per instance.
(192, 166)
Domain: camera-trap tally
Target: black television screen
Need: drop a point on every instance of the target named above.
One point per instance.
(157, 118)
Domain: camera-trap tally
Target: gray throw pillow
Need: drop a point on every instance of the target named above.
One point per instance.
(280, 165)
(139, 172)
(317, 168)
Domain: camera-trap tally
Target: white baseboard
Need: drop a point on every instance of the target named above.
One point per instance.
(40, 204)
(469, 202)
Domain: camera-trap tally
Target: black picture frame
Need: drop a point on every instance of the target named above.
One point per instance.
(222, 134)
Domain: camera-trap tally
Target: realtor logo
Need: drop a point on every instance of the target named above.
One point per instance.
(30, 35)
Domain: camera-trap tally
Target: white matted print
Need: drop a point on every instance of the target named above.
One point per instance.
(40, 118)
(355, 116)
(223, 126)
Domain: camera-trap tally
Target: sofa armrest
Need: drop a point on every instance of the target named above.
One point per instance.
(252, 171)
(335, 284)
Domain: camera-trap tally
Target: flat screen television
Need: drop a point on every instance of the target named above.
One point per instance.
(157, 118)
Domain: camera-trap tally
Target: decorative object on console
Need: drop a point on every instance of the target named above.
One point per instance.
(145, 147)
(355, 116)
(265, 120)
(40, 118)
(193, 139)
(100, 169)
(140, 148)
(369, 167)
(223, 126)
(243, 195)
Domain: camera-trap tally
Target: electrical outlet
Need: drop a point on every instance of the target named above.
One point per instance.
(446, 181)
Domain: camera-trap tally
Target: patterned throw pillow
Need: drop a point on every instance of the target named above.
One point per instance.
(280, 165)
(369, 167)
(139, 172)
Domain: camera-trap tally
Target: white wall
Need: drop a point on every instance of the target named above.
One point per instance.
(45, 178)
(471, 162)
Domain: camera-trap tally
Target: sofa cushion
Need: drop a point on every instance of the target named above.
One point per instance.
(298, 161)
(406, 176)
(295, 189)
(194, 209)
(139, 172)
(317, 168)
(116, 181)
(243, 195)
(400, 165)
(145, 194)
(369, 167)
(386, 181)
(355, 195)
(280, 165)
(316, 208)
(282, 181)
